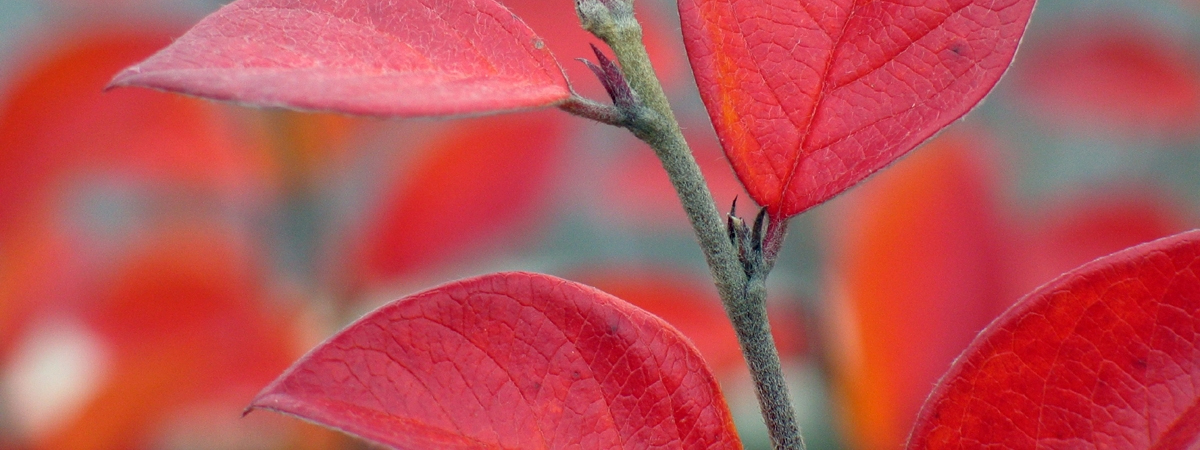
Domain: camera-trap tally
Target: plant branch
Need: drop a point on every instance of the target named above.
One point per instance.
(742, 289)
(654, 122)
(754, 335)
(589, 109)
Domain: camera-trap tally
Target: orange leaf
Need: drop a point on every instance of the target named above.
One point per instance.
(913, 277)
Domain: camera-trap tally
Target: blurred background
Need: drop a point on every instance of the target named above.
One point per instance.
(162, 258)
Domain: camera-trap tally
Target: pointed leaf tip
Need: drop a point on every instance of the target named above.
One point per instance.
(509, 360)
(400, 58)
(809, 98)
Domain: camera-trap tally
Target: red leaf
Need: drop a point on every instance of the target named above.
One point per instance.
(510, 360)
(1105, 356)
(913, 279)
(1113, 74)
(809, 98)
(398, 58)
(478, 182)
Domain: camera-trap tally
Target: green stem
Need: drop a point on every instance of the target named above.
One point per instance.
(743, 294)
(758, 346)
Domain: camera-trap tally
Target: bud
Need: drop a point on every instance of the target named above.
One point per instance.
(613, 80)
(748, 241)
(604, 17)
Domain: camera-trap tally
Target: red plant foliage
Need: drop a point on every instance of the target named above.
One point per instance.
(810, 98)
(1105, 356)
(509, 360)
(399, 58)
(913, 276)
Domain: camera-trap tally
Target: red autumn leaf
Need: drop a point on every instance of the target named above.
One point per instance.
(510, 360)
(1113, 73)
(1105, 356)
(479, 181)
(913, 278)
(398, 58)
(809, 98)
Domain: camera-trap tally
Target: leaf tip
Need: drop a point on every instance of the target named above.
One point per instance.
(123, 78)
(258, 402)
(271, 397)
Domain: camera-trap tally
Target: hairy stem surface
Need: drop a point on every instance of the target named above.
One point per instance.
(742, 291)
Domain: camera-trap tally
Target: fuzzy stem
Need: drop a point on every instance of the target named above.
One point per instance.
(743, 294)
(589, 109)
(758, 346)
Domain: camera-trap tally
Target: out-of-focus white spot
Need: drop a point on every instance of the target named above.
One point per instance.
(52, 375)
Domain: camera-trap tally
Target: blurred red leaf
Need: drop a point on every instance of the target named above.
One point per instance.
(1105, 356)
(509, 360)
(186, 318)
(1113, 74)
(188, 280)
(690, 304)
(809, 98)
(133, 407)
(479, 182)
(1080, 227)
(400, 58)
(56, 123)
(36, 271)
(913, 277)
